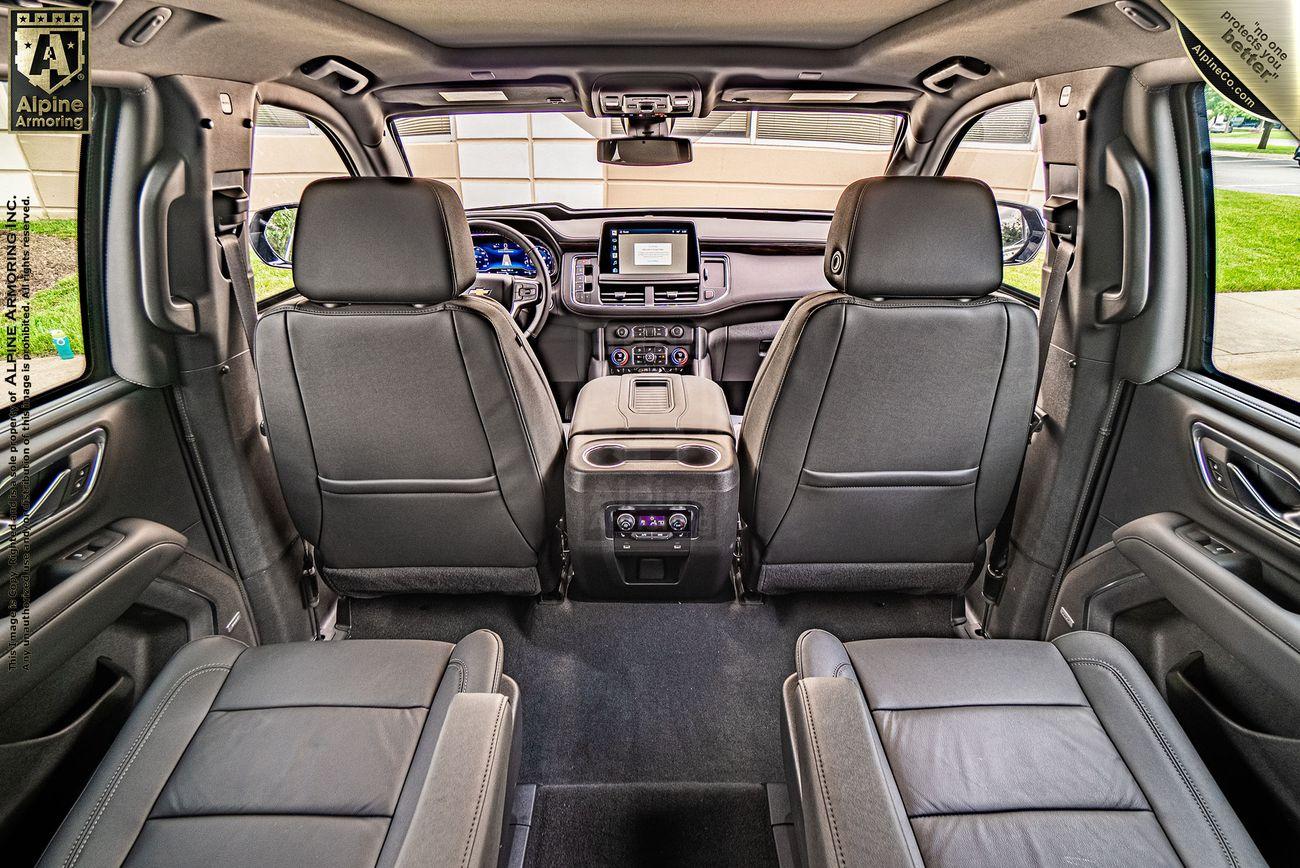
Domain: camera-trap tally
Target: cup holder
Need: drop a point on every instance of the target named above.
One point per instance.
(697, 455)
(617, 454)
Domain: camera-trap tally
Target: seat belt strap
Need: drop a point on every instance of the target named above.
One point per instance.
(995, 575)
(234, 254)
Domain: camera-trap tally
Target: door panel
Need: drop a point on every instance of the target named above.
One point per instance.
(1200, 502)
(120, 512)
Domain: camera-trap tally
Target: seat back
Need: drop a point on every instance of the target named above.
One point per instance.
(415, 437)
(886, 429)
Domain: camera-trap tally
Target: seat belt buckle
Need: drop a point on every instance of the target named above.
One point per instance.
(307, 581)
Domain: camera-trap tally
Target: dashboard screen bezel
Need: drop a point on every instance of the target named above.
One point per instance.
(607, 241)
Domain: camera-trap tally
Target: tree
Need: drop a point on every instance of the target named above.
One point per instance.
(1216, 104)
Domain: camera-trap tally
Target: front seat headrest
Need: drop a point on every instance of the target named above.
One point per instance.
(905, 236)
(381, 241)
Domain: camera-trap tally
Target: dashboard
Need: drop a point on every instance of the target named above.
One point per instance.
(496, 255)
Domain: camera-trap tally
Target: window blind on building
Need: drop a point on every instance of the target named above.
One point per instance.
(832, 127)
(428, 125)
(1007, 125)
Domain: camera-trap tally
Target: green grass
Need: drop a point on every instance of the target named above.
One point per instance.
(1257, 241)
(55, 228)
(1251, 147)
(1027, 277)
(57, 308)
(269, 280)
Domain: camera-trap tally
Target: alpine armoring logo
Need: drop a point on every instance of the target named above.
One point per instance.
(49, 91)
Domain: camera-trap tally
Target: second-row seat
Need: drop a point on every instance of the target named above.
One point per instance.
(945, 752)
(392, 753)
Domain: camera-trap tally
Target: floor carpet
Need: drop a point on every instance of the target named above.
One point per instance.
(650, 692)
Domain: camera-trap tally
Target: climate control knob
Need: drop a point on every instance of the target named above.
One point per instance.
(625, 521)
(679, 357)
(618, 357)
(678, 521)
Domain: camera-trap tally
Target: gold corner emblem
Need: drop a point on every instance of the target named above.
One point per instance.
(50, 48)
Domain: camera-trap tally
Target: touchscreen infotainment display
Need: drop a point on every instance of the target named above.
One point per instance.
(649, 249)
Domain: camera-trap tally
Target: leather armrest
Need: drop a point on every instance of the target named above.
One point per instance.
(85, 596)
(1237, 615)
(459, 816)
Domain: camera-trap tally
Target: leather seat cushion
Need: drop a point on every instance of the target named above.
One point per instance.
(301, 753)
(1000, 752)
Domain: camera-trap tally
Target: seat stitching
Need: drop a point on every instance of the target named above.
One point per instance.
(821, 775)
(1206, 812)
(460, 673)
(841, 667)
(119, 774)
(487, 770)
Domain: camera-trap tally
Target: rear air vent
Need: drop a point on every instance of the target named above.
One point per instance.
(651, 396)
(677, 294)
(622, 295)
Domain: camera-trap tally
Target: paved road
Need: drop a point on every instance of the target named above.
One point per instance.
(1257, 338)
(1252, 174)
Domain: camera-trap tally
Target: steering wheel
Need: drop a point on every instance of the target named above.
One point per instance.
(515, 292)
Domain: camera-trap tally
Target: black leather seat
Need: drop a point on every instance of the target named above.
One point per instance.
(417, 443)
(887, 425)
(356, 753)
(967, 752)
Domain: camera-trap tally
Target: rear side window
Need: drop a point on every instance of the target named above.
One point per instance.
(1255, 172)
(42, 337)
(1002, 150)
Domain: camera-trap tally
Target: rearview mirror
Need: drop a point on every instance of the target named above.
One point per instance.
(1023, 232)
(270, 231)
(644, 151)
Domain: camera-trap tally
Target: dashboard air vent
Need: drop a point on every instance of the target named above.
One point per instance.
(622, 295)
(677, 294)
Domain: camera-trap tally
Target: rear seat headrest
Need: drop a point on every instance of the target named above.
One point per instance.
(381, 241)
(906, 236)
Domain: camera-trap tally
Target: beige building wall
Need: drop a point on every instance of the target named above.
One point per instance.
(518, 158)
(42, 166)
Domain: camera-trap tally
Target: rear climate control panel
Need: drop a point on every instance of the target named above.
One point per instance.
(648, 348)
(657, 522)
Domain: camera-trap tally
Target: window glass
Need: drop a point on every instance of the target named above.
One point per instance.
(1255, 166)
(796, 159)
(39, 190)
(289, 152)
(1001, 149)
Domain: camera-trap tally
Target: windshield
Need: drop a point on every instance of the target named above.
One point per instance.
(758, 159)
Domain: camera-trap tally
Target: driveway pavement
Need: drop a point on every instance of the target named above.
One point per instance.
(1256, 174)
(1257, 338)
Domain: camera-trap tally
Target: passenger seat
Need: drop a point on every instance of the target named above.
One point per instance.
(389, 753)
(971, 752)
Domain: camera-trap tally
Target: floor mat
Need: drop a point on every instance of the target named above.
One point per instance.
(633, 825)
(650, 692)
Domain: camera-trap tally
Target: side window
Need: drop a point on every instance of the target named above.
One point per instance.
(1255, 167)
(42, 336)
(1002, 150)
(289, 152)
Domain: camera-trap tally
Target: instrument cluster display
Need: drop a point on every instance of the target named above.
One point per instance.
(496, 255)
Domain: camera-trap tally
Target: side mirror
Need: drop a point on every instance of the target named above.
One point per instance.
(270, 231)
(1023, 232)
(644, 151)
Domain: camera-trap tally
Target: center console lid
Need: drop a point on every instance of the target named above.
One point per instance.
(651, 403)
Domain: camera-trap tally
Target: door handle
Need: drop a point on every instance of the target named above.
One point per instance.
(1257, 502)
(45, 504)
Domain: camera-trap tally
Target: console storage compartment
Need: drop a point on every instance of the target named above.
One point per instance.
(652, 488)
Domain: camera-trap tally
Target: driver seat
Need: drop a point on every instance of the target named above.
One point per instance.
(415, 437)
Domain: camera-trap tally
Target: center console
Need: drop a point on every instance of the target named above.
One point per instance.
(652, 488)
